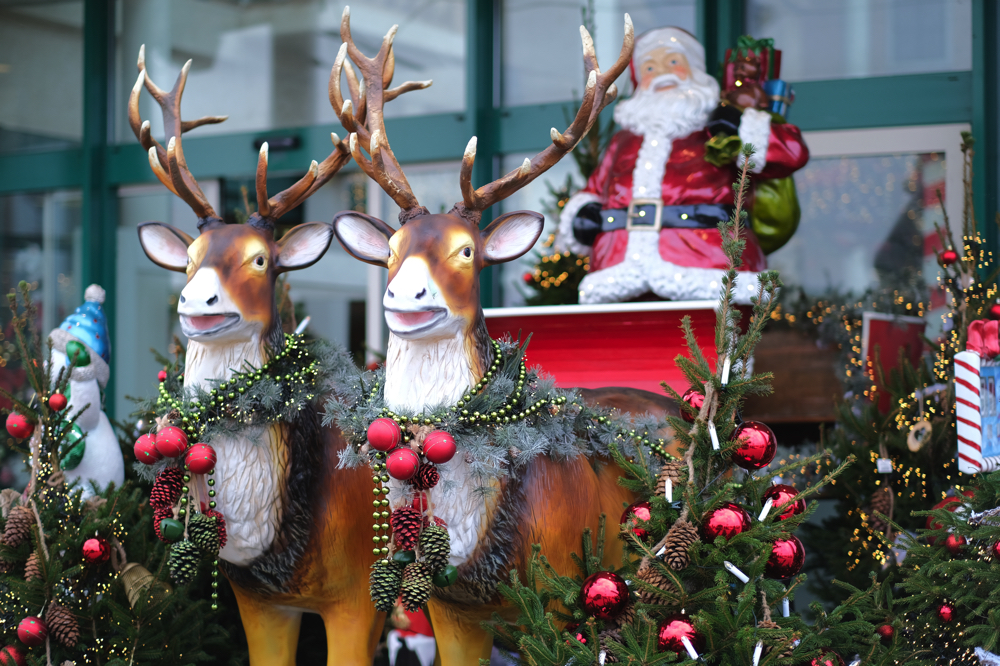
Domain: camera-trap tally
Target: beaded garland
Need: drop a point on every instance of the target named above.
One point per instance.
(296, 372)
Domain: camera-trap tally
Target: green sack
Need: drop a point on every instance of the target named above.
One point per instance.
(775, 214)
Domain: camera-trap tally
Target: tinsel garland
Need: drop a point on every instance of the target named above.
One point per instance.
(545, 420)
(252, 400)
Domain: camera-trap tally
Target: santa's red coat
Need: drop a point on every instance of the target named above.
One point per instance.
(688, 179)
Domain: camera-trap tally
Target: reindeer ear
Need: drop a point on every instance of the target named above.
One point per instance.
(303, 245)
(364, 237)
(511, 235)
(165, 245)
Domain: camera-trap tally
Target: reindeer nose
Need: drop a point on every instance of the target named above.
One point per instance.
(213, 300)
(391, 295)
(183, 300)
(423, 292)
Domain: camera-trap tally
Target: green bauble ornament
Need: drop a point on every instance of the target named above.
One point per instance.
(184, 559)
(77, 353)
(446, 576)
(775, 214)
(404, 557)
(384, 582)
(416, 586)
(72, 447)
(171, 529)
(204, 533)
(435, 547)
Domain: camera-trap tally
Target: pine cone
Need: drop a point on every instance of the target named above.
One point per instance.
(627, 615)
(607, 637)
(203, 533)
(32, 568)
(881, 502)
(435, 546)
(671, 470)
(19, 524)
(405, 523)
(167, 488)
(158, 515)
(220, 525)
(427, 477)
(775, 643)
(62, 624)
(384, 582)
(653, 576)
(416, 586)
(679, 539)
(184, 559)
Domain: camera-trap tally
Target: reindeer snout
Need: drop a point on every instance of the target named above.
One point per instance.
(411, 287)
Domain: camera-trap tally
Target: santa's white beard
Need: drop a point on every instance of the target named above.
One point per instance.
(670, 113)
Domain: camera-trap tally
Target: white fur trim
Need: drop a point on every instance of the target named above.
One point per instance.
(987, 658)
(643, 270)
(672, 39)
(95, 294)
(650, 165)
(565, 240)
(755, 128)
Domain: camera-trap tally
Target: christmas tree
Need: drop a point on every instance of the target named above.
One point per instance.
(914, 438)
(81, 579)
(712, 561)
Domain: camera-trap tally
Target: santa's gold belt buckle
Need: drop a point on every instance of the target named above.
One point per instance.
(636, 218)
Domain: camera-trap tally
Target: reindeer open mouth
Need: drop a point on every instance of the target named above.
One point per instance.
(409, 322)
(200, 326)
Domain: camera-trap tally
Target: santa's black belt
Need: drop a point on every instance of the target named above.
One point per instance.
(644, 216)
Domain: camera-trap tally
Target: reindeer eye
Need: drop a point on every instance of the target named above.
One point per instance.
(259, 262)
(467, 252)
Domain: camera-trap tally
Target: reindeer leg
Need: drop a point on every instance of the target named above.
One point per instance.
(272, 631)
(352, 633)
(460, 640)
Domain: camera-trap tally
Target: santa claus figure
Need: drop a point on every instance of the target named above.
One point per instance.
(648, 216)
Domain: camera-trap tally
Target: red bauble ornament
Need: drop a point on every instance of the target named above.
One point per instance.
(604, 595)
(96, 550)
(200, 459)
(12, 656)
(948, 257)
(384, 434)
(828, 658)
(696, 400)
(780, 495)
(640, 510)
(995, 311)
(787, 557)
(757, 445)
(995, 550)
(528, 278)
(19, 426)
(726, 521)
(572, 628)
(145, 450)
(439, 447)
(162, 375)
(57, 401)
(673, 629)
(951, 503)
(885, 632)
(954, 543)
(32, 631)
(402, 464)
(946, 612)
(171, 441)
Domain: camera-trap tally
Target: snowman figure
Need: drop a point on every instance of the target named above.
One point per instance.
(91, 452)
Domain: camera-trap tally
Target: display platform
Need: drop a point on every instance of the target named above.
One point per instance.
(613, 344)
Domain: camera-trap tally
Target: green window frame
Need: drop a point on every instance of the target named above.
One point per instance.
(99, 167)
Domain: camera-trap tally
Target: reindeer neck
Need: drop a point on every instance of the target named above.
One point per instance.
(422, 374)
(206, 362)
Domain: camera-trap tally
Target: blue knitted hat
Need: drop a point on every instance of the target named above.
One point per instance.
(88, 325)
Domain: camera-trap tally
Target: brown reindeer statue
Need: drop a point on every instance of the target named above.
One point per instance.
(439, 350)
(289, 510)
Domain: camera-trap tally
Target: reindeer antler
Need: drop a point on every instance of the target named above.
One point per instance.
(600, 92)
(362, 115)
(169, 164)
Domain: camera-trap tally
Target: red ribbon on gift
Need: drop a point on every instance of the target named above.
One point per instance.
(984, 338)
